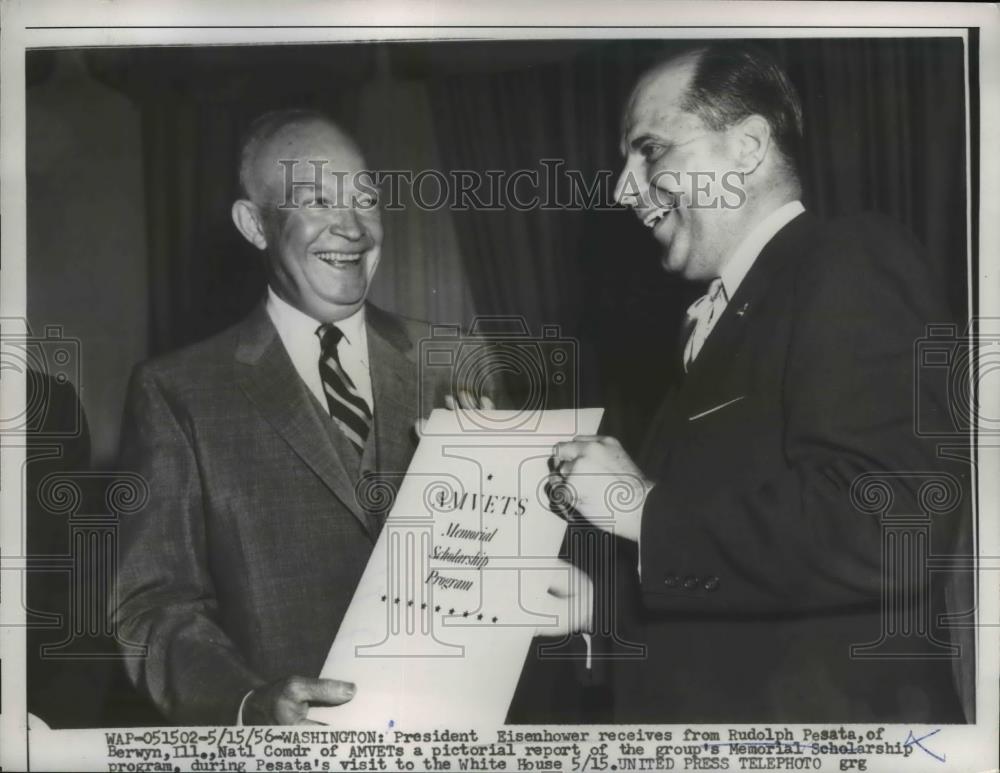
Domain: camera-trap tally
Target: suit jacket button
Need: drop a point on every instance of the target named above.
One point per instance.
(671, 580)
(690, 583)
(711, 583)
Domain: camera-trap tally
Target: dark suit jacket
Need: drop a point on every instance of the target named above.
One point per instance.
(240, 567)
(758, 573)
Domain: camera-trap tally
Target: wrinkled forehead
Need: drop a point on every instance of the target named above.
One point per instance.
(306, 153)
(655, 102)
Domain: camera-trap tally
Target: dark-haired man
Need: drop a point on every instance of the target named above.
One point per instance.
(753, 573)
(238, 571)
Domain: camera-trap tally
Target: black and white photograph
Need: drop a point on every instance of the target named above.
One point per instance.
(455, 389)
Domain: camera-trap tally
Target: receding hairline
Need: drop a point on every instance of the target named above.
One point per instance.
(766, 90)
(689, 57)
(269, 129)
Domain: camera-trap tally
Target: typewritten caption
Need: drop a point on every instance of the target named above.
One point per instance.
(536, 749)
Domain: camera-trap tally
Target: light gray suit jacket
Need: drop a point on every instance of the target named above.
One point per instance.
(240, 567)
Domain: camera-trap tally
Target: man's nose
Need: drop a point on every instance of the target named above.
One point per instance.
(627, 188)
(347, 224)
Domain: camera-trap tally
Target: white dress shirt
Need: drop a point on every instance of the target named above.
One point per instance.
(705, 312)
(297, 331)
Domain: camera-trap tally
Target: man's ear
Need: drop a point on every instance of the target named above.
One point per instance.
(246, 217)
(753, 142)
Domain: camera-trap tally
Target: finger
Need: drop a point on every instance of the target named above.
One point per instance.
(559, 584)
(552, 483)
(574, 587)
(567, 451)
(331, 692)
(486, 404)
(561, 451)
(567, 608)
(561, 498)
(577, 447)
(449, 402)
(313, 722)
(564, 469)
(570, 580)
(544, 603)
(465, 400)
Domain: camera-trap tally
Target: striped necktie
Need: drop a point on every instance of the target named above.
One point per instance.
(347, 407)
(701, 318)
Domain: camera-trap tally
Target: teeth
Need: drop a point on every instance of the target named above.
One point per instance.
(339, 257)
(655, 217)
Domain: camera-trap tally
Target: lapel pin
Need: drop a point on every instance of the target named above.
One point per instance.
(742, 310)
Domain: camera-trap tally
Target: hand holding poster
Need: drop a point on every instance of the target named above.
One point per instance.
(457, 585)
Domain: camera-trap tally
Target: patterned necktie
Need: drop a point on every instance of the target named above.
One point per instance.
(347, 407)
(701, 318)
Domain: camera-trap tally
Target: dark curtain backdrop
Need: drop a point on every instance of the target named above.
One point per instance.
(885, 130)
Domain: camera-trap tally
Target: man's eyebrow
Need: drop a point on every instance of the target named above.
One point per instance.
(638, 142)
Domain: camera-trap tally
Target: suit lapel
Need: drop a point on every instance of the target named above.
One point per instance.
(658, 438)
(724, 345)
(394, 387)
(267, 376)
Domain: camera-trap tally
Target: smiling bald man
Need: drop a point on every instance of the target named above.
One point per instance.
(753, 575)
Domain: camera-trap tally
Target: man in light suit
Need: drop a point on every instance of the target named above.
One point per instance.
(239, 569)
(750, 573)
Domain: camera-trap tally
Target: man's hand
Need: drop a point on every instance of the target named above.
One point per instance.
(571, 599)
(604, 484)
(286, 701)
(464, 400)
(468, 402)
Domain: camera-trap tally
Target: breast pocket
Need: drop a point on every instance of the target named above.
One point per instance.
(733, 434)
(702, 413)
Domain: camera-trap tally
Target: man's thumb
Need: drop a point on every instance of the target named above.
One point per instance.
(331, 692)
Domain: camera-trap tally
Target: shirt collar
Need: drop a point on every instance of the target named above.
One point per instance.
(292, 322)
(746, 252)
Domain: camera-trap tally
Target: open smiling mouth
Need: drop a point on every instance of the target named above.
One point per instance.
(340, 259)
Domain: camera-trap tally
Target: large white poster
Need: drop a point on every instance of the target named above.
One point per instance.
(457, 585)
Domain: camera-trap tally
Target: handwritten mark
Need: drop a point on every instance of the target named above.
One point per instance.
(910, 741)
